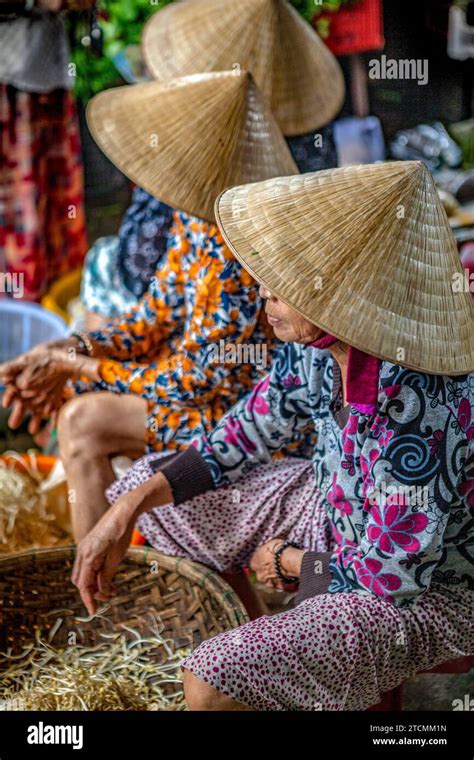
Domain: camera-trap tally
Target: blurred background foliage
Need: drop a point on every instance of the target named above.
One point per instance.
(308, 8)
(119, 23)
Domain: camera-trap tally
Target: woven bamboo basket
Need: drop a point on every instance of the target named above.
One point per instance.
(191, 602)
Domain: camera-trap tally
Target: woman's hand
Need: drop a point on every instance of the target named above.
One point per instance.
(42, 406)
(263, 563)
(100, 553)
(11, 369)
(35, 381)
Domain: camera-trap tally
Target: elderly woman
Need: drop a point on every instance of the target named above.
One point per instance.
(394, 459)
(198, 339)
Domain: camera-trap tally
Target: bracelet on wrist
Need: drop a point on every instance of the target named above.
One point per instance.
(289, 579)
(85, 343)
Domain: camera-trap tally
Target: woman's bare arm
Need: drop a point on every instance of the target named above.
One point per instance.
(100, 553)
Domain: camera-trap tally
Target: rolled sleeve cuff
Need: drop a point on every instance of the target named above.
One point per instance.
(315, 575)
(187, 473)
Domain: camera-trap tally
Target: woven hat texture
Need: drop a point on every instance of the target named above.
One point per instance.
(187, 140)
(297, 74)
(365, 253)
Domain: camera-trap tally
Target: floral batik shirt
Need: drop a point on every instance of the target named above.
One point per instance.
(177, 348)
(397, 485)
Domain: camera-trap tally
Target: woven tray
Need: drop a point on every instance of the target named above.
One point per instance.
(191, 601)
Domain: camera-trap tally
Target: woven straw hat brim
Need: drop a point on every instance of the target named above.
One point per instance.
(189, 139)
(298, 75)
(365, 253)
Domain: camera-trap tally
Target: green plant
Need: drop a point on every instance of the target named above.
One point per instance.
(93, 74)
(311, 8)
(121, 22)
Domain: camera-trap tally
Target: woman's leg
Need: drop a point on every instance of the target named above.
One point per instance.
(332, 652)
(201, 696)
(92, 429)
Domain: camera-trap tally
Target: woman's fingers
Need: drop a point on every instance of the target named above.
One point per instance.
(265, 575)
(42, 372)
(30, 398)
(16, 417)
(76, 570)
(106, 575)
(30, 377)
(85, 579)
(90, 560)
(34, 424)
(88, 592)
(35, 395)
(39, 403)
(9, 396)
(278, 584)
(9, 370)
(20, 407)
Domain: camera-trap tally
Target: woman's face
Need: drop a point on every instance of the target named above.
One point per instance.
(287, 324)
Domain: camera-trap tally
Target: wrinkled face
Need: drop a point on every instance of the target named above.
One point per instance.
(287, 324)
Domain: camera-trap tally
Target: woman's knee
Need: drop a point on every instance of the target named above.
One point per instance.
(200, 696)
(82, 426)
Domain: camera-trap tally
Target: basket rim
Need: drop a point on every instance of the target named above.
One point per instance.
(195, 571)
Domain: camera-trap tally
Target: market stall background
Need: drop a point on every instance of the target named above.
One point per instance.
(383, 115)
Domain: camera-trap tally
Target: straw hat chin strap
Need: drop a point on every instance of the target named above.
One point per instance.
(362, 380)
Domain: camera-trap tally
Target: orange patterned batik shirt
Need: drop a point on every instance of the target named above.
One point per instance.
(194, 344)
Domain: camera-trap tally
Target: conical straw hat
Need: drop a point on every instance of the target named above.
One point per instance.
(363, 252)
(188, 140)
(298, 75)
